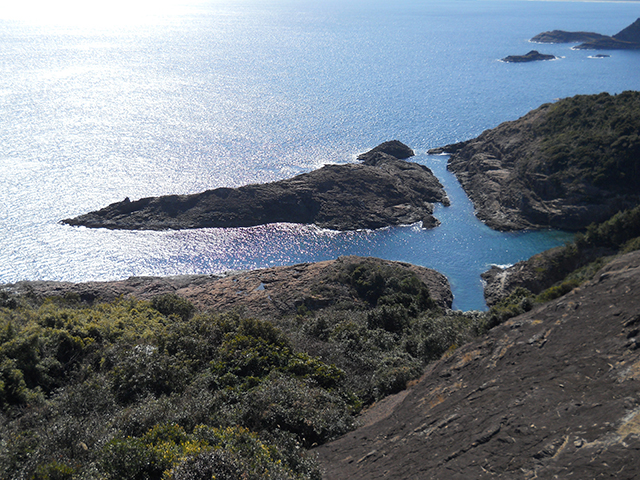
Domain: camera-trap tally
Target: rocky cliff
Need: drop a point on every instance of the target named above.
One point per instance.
(563, 165)
(550, 394)
(382, 191)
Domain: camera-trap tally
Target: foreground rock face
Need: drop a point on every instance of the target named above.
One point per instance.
(526, 174)
(532, 56)
(267, 292)
(627, 39)
(383, 191)
(550, 394)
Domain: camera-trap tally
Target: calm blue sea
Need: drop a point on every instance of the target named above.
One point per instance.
(184, 96)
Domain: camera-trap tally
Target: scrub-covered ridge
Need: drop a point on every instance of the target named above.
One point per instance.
(162, 389)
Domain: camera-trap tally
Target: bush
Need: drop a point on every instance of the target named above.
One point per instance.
(171, 304)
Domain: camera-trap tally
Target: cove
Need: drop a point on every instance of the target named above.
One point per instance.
(462, 247)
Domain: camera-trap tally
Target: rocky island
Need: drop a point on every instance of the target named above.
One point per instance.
(532, 56)
(563, 165)
(561, 36)
(384, 190)
(627, 39)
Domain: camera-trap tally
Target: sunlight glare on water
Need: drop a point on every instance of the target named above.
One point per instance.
(129, 98)
(89, 13)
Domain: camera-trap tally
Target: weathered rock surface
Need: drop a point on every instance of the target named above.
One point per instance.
(383, 191)
(550, 394)
(267, 292)
(513, 185)
(627, 39)
(532, 56)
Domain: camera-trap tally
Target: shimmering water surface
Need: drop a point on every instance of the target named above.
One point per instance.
(150, 98)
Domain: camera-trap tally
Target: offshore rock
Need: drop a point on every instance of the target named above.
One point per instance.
(393, 148)
(552, 393)
(532, 56)
(383, 191)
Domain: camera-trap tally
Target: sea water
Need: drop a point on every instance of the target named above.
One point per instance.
(175, 97)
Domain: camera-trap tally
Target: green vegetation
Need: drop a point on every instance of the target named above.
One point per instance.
(567, 267)
(155, 390)
(593, 139)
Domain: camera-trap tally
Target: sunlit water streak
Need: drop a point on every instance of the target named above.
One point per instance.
(202, 94)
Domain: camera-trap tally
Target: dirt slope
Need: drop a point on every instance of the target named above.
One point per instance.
(554, 393)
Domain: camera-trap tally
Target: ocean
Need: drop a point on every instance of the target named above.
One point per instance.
(175, 97)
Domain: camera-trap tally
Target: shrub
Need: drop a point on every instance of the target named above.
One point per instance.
(171, 304)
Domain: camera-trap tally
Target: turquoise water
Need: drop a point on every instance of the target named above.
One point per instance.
(210, 93)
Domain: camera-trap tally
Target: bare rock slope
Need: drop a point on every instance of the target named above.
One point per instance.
(550, 394)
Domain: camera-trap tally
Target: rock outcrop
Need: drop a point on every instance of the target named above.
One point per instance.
(550, 394)
(627, 39)
(270, 292)
(532, 56)
(544, 170)
(382, 191)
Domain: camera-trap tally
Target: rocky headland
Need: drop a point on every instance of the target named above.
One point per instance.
(270, 292)
(548, 394)
(561, 36)
(627, 39)
(563, 165)
(384, 190)
(532, 56)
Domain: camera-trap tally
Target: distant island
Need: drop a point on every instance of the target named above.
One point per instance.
(563, 165)
(384, 190)
(627, 39)
(532, 56)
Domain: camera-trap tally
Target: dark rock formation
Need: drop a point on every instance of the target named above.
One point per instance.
(532, 56)
(549, 394)
(627, 39)
(383, 191)
(524, 174)
(270, 292)
(394, 148)
(560, 36)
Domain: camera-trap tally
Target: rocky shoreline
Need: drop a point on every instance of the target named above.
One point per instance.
(384, 190)
(519, 176)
